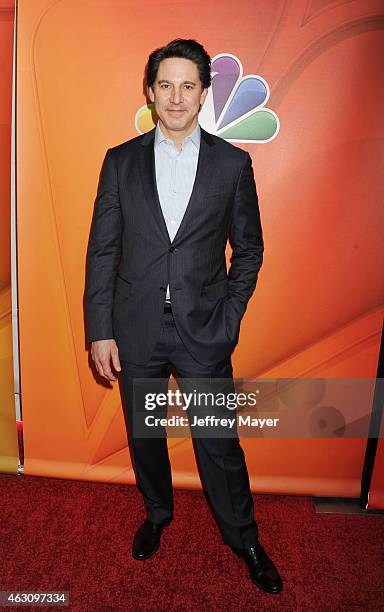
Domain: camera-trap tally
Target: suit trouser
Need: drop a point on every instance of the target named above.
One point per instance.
(221, 461)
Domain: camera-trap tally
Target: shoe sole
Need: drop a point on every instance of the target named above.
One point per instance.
(263, 588)
(147, 556)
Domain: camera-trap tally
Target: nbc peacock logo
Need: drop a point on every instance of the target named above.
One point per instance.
(234, 108)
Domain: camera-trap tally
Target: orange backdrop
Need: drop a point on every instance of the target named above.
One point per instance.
(318, 306)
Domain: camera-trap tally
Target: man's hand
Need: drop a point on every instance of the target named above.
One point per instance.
(102, 351)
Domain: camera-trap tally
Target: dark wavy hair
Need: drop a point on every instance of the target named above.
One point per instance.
(186, 48)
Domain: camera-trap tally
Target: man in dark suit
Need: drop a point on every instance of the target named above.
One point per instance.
(158, 296)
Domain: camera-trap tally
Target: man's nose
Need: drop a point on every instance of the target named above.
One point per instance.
(176, 96)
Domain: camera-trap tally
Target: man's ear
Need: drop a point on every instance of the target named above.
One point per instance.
(203, 96)
(150, 94)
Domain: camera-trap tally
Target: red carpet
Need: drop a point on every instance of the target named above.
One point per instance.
(68, 535)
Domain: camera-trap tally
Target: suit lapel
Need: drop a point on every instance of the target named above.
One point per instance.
(204, 173)
(148, 178)
(205, 165)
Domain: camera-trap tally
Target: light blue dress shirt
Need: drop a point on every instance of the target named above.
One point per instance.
(175, 175)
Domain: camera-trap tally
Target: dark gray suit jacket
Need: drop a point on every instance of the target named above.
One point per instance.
(130, 258)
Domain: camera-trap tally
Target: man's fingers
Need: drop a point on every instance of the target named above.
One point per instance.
(105, 364)
(115, 358)
(103, 352)
(100, 368)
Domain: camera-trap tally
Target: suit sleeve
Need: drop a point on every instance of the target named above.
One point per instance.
(246, 239)
(103, 254)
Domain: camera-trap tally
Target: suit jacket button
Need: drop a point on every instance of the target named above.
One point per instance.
(172, 249)
(162, 289)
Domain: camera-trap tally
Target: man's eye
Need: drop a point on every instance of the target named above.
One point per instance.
(189, 87)
(164, 85)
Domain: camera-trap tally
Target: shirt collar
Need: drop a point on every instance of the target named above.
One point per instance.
(195, 136)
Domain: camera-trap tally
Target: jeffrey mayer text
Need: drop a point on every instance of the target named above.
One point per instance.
(209, 421)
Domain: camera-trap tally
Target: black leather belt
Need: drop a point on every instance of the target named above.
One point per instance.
(167, 307)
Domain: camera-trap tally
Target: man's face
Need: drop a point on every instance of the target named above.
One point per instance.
(177, 94)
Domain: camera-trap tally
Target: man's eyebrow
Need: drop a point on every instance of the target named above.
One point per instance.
(184, 82)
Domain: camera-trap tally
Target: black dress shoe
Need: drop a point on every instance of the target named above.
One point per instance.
(147, 539)
(262, 570)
